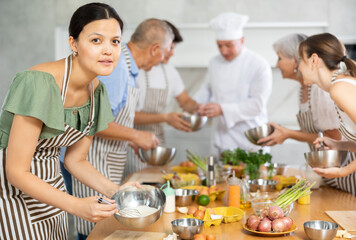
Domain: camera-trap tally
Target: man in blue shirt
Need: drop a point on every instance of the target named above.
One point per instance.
(108, 152)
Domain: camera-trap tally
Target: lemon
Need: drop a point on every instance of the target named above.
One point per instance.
(203, 200)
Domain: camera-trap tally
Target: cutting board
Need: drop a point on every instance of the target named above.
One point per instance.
(146, 177)
(130, 235)
(346, 219)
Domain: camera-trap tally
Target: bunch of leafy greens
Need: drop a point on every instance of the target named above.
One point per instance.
(252, 160)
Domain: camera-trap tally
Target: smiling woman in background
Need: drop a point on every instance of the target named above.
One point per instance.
(316, 109)
(322, 56)
(51, 105)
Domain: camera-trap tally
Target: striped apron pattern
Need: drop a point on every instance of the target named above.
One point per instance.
(155, 102)
(108, 156)
(22, 217)
(305, 119)
(347, 183)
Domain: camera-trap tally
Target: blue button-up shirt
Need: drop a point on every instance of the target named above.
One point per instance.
(119, 80)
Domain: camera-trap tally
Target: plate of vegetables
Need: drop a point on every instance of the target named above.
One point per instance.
(292, 229)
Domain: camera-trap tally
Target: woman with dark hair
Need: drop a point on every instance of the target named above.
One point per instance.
(49, 106)
(325, 63)
(312, 116)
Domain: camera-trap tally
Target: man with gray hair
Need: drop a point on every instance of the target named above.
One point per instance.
(108, 152)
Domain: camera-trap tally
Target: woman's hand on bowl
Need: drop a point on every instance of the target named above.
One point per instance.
(91, 210)
(332, 172)
(279, 135)
(329, 143)
(175, 120)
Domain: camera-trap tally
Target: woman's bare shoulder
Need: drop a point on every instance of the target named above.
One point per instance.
(55, 68)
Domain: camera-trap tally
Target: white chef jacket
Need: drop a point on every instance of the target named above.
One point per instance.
(242, 88)
(323, 109)
(157, 80)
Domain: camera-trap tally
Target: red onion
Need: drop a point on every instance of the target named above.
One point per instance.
(265, 226)
(264, 213)
(275, 212)
(252, 222)
(266, 219)
(288, 222)
(278, 225)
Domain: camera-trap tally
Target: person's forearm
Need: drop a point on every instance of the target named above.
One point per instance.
(88, 175)
(149, 118)
(346, 145)
(118, 132)
(302, 136)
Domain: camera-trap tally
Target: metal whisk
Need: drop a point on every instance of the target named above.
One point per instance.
(127, 212)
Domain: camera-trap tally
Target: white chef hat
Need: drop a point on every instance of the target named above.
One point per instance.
(229, 25)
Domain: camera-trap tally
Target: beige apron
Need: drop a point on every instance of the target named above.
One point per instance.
(108, 156)
(347, 183)
(22, 217)
(305, 120)
(155, 102)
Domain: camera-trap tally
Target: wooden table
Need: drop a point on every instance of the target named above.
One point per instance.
(323, 199)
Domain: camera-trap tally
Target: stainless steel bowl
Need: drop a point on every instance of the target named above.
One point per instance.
(186, 228)
(262, 184)
(320, 230)
(185, 197)
(255, 134)
(158, 156)
(132, 197)
(326, 158)
(196, 121)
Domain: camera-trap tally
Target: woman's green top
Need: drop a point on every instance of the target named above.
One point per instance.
(36, 94)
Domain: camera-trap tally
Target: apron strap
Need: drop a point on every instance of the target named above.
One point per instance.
(67, 71)
(127, 56)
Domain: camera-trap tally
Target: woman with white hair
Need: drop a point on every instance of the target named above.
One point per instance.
(316, 109)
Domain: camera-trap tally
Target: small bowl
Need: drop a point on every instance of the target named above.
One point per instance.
(196, 121)
(132, 197)
(262, 185)
(325, 158)
(255, 134)
(186, 228)
(320, 230)
(185, 197)
(158, 156)
(182, 183)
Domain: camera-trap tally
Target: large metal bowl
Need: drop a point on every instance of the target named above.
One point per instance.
(325, 158)
(255, 134)
(185, 197)
(186, 228)
(132, 197)
(262, 184)
(158, 156)
(196, 121)
(320, 230)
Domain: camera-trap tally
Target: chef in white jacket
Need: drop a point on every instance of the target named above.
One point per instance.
(237, 86)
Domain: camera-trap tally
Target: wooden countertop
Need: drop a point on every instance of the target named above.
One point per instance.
(322, 199)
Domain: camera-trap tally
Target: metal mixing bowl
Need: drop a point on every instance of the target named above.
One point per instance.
(186, 228)
(132, 197)
(320, 230)
(196, 121)
(158, 156)
(262, 184)
(185, 197)
(255, 134)
(325, 158)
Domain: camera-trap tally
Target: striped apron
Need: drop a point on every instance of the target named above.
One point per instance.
(155, 102)
(305, 120)
(22, 217)
(347, 183)
(108, 156)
